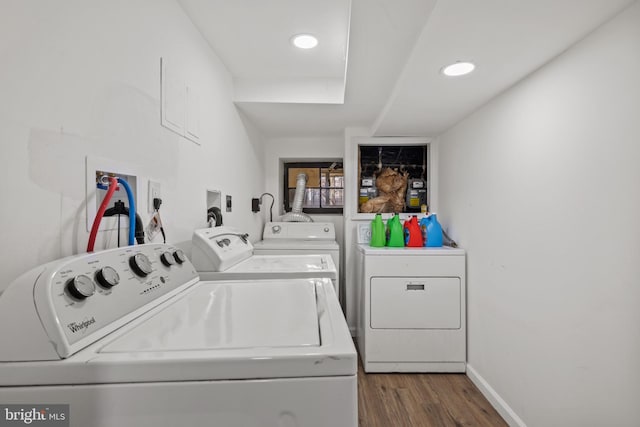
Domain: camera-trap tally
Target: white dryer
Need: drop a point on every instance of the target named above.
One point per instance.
(287, 238)
(411, 308)
(132, 337)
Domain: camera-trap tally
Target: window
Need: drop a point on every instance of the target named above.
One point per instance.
(324, 192)
(392, 178)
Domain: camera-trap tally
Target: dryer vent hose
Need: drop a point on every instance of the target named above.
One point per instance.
(214, 217)
(296, 214)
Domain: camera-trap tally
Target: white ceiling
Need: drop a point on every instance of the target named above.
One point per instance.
(253, 39)
(506, 39)
(396, 49)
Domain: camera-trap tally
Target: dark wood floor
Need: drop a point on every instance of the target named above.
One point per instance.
(412, 400)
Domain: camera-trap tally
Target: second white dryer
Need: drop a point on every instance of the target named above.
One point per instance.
(223, 253)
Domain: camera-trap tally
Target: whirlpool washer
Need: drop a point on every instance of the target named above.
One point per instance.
(223, 253)
(132, 337)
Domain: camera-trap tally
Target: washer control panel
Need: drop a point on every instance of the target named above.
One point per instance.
(55, 310)
(217, 249)
(93, 291)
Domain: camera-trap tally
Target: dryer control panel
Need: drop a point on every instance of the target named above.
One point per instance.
(80, 299)
(299, 231)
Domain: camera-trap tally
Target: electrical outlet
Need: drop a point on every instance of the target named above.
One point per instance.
(154, 193)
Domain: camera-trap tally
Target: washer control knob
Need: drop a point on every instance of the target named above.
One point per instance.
(140, 265)
(81, 287)
(179, 256)
(107, 277)
(276, 229)
(168, 259)
(326, 229)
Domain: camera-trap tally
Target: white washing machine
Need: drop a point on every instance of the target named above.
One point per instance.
(223, 253)
(411, 308)
(287, 238)
(132, 337)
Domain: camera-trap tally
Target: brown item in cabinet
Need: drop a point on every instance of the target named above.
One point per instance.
(392, 186)
(390, 181)
(376, 205)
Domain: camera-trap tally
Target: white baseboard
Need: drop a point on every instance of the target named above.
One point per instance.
(494, 398)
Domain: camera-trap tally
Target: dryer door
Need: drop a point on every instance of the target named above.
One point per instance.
(415, 303)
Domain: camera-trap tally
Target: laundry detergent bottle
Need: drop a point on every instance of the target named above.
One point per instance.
(396, 235)
(377, 232)
(387, 231)
(431, 231)
(413, 233)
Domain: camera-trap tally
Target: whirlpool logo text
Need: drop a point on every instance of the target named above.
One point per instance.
(76, 327)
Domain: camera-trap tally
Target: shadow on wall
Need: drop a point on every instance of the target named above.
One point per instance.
(56, 160)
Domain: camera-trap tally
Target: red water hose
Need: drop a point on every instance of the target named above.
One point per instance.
(113, 183)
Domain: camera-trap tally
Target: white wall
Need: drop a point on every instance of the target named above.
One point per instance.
(278, 150)
(81, 78)
(541, 187)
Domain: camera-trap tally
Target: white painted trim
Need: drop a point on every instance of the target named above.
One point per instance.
(494, 398)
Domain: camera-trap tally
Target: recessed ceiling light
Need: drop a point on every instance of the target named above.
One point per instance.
(304, 41)
(458, 69)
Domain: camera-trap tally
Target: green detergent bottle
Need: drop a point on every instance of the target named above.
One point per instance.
(377, 232)
(396, 233)
(387, 230)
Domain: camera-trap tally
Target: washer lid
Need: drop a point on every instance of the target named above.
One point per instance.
(230, 315)
(315, 245)
(278, 267)
(285, 264)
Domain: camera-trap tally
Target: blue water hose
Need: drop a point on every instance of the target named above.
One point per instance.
(132, 212)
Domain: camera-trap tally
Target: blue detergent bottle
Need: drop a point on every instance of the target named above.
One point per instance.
(431, 231)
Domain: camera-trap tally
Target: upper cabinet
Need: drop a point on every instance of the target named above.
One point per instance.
(389, 175)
